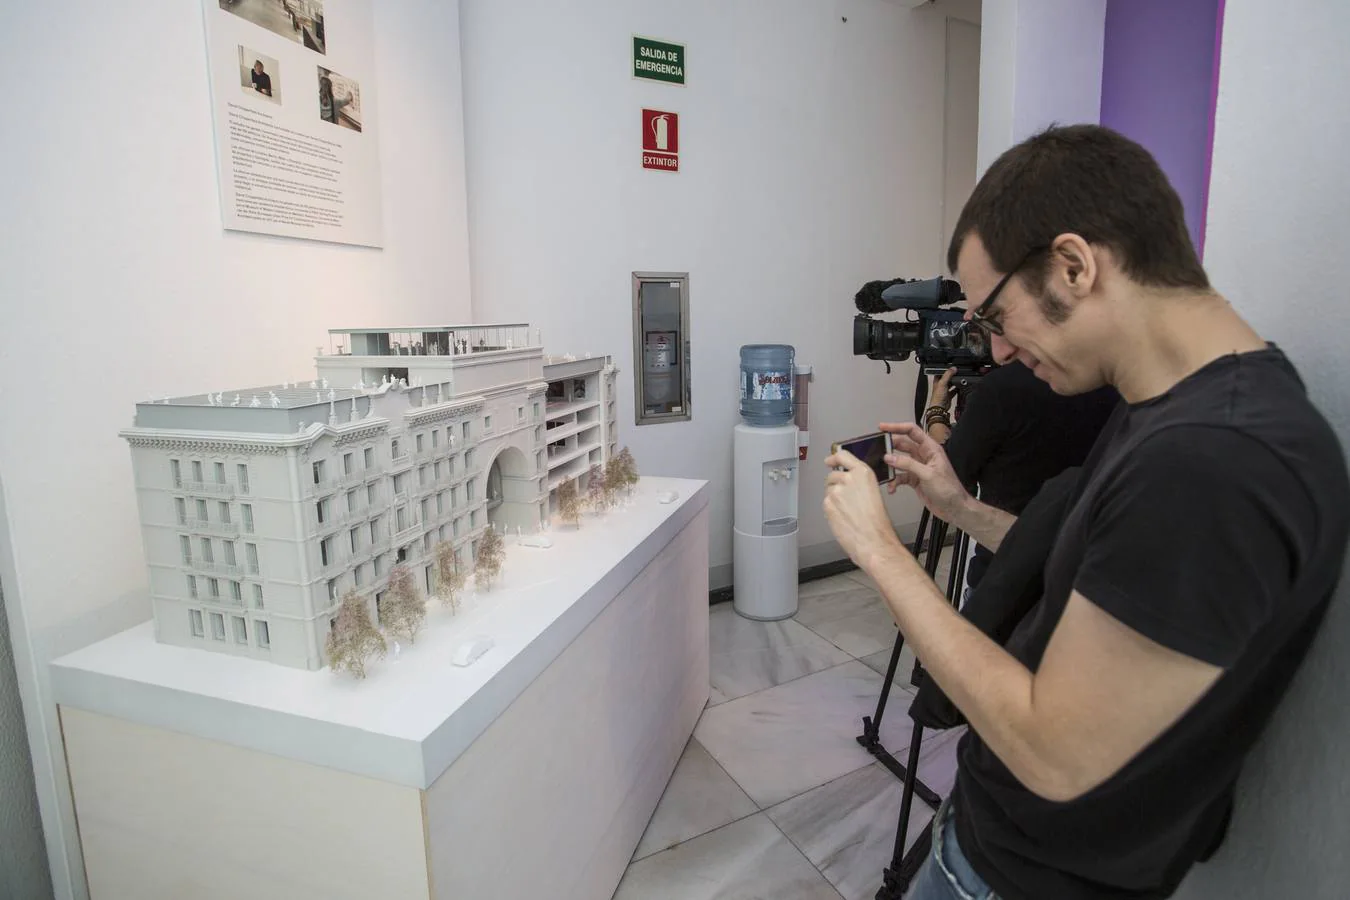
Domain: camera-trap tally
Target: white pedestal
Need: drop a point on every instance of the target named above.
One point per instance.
(532, 772)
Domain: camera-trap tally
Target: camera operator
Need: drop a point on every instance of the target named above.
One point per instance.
(1013, 435)
(1201, 545)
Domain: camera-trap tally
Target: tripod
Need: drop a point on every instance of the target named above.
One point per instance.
(929, 541)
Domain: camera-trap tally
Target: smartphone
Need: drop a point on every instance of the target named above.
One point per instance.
(872, 450)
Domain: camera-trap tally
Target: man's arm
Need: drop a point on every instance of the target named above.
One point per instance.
(919, 461)
(1102, 694)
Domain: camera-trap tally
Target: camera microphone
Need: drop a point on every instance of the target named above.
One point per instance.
(869, 297)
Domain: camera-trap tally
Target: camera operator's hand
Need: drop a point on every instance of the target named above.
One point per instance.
(921, 463)
(942, 395)
(854, 509)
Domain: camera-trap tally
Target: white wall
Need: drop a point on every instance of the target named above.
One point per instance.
(1040, 63)
(1276, 248)
(118, 283)
(811, 162)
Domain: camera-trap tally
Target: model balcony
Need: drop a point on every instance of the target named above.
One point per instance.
(203, 526)
(210, 567)
(214, 488)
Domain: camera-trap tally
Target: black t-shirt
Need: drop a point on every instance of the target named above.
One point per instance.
(1213, 520)
(262, 82)
(1015, 434)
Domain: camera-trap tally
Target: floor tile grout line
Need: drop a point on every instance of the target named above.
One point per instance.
(793, 843)
(853, 659)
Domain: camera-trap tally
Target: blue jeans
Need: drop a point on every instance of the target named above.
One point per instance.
(946, 874)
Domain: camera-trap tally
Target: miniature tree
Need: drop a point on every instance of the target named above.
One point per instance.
(491, 554)
(599, 497)
(402, 610)
(353, 638)
(450, 578)
(569, 504)
(628, 469)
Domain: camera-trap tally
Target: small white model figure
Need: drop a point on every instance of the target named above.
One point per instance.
(259, 520)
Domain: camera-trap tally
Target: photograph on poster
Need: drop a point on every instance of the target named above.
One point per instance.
(296, 20)
(339, 99)
(259, 74)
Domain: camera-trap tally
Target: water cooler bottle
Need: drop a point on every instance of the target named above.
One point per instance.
(764, 535)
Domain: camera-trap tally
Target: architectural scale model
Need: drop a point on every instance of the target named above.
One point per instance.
(261, 508)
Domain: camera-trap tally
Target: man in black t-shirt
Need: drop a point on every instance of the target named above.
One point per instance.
(262, 82)
(1202, 543)
(1015, 434)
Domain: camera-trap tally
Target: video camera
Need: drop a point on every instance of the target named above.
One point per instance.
(939, 338)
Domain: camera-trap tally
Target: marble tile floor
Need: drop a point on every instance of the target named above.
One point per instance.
(773, 796)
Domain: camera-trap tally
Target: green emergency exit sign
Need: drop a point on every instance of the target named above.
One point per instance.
(658, 60)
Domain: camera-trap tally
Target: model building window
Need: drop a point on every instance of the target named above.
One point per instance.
(450, 467)
(332, 590)
(213, 588)
(458, 525)
(487, 423)
(423, 476)
(181, 508)
(539, 460)
(220, 473)
(445, 532)
(468, 461)
(355, 536)
(348, 463)
(251, 556)
(400, 519)
(357, 576)
(242, 471)
(192, 586)
(261, 632)
(520, 414)
(465, 428)
(208, 554)
(176, 472)
(217, 627)
(224, 513)
(375, 530)
(400, 484)
(230, 559)
(539, 434)
(326, 554)
(197, 471)
(185, 545)
(436, 470)
(372, 494)
(318, 472)
(195, 623)
(536, 411)
(440, 503)
(393, 449)
(351, 501)
(435, 438)
(240, 630)
(473, 523)
(469, 490)
(247, 511)
(201, 512)
(321, 510)
(257, 596)
(426, 509)
(379, 565)
(426, 542)
(420, 439)
(369, 454)
(454, 497)
(237, 592)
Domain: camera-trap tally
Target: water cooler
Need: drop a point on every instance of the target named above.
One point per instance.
(767, 449)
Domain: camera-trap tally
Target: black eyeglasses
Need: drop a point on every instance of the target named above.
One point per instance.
(980, 316)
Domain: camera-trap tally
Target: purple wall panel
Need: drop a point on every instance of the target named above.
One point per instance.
(1159, 73)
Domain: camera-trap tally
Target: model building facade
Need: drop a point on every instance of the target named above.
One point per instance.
(261, 507)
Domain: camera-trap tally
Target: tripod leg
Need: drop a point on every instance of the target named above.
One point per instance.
(895, 879)
(871, 736)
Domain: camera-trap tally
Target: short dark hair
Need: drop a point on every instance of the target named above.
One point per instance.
(1086, 180)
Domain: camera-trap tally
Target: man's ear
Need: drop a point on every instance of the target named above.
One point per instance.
(1073, 265)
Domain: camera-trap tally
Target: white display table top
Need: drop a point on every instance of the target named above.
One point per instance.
(416, 712)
